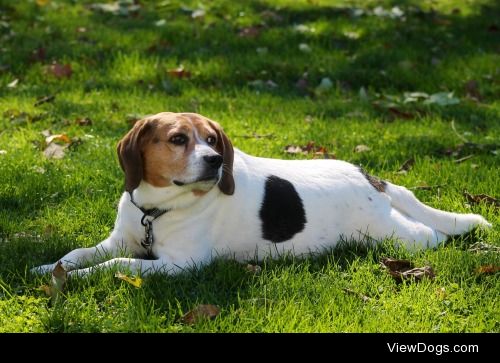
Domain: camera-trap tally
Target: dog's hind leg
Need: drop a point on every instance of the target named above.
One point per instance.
(413, 233)
(446, 222)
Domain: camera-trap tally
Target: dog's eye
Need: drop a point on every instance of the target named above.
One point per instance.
(211, 140)
(179, 139)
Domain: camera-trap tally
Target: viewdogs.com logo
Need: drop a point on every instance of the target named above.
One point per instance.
(437, 349)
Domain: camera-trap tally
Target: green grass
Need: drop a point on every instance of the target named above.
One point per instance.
(120, 67)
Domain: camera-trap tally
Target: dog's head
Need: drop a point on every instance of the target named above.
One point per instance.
(182, 149)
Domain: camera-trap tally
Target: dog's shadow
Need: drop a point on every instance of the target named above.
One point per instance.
(226, 283)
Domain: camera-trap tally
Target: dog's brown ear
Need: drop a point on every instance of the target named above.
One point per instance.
(130, 154)
(225, 148)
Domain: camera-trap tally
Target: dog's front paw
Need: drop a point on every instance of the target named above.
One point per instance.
(44, 269)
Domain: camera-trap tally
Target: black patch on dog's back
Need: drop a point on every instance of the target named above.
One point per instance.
(374, 181)
(282, 212)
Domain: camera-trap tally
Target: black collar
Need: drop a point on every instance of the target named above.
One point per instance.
(152, 213)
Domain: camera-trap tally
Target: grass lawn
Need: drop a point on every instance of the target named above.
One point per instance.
(273, 73)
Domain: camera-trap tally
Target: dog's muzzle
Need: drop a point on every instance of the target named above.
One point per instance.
(213, 163)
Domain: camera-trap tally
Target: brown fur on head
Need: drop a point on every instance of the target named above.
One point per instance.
(147, 152)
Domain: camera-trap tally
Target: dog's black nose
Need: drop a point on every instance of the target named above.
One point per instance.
(215, 161)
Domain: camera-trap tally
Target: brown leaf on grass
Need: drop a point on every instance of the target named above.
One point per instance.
(302, 85)
(256, 269)
(55, 144)
(54, 151)
(441, 21)
(417, 273)
(481, 198)
(134, 280)
(61, 138)
(396, 112)
(493, 28)
(488, 270)
(38, 55)
(85, 121)
(294, 149)
(160, 46)
(46, 289)
(199, 313)
(472, 90)
(44, 99)
(249, 32)
(57, 282)
(361, 148)
(179, 72)
(481, 247)
(60, 70)
(396, 265)
(406, 166)
(310, 148)
(403, 269)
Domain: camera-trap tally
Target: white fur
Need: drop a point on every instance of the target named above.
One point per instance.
(338, 200)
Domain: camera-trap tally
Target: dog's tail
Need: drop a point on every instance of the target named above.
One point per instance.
(445, 222)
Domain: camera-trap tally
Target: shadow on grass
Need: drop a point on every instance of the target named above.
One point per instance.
(354, 61)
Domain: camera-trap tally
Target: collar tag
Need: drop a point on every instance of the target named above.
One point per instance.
(154, 213)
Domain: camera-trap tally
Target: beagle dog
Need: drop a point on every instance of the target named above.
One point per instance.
(190, 196)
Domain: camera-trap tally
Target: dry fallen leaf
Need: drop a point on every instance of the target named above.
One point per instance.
(493, 28)
(418, 273)
(85, 121)
(57, 282)
(38, 55)
(13, 84)
(402, 269)
(396, 112)
(200, 312)
(488, 269)
(59, 276)
(302, 85)
(256, 269)
(54, 151)
(481, 247)
(60, 70)
(361, 148)
(62, 138)
(249, 32)
(310, 148)
(179, 72)
(294, 149)
(134, 281)
(406, 167)
(46, 133)
(395, 264)
(472, 90)
(481, 198)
